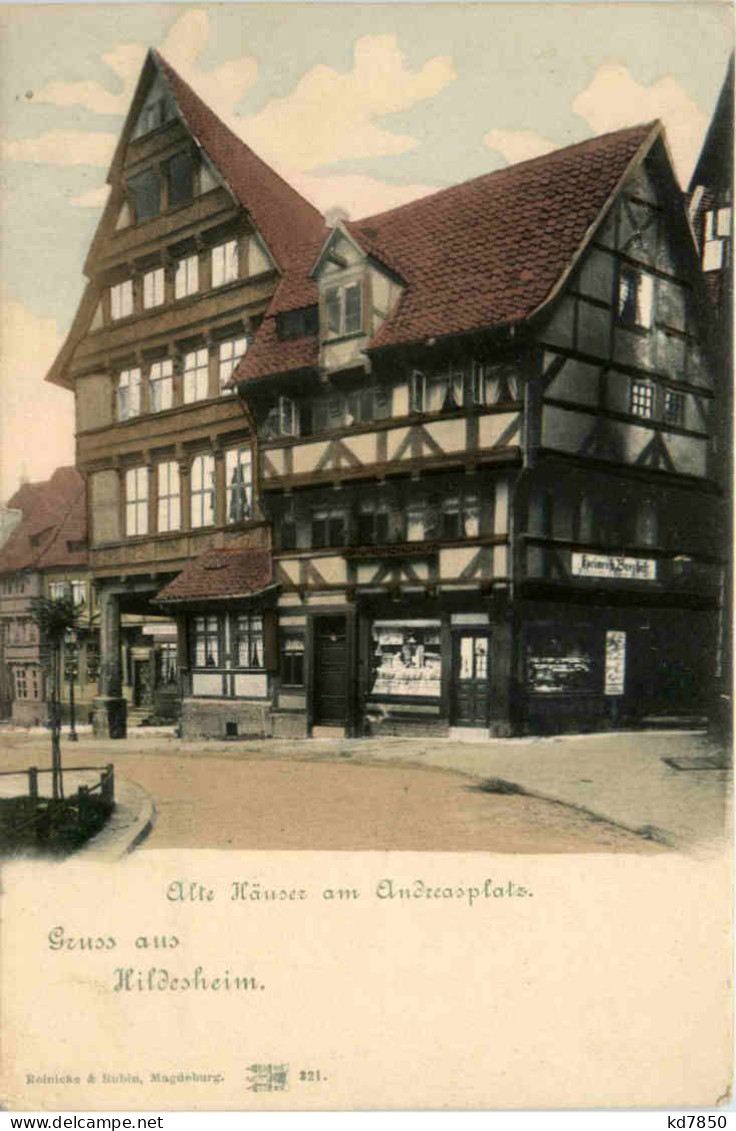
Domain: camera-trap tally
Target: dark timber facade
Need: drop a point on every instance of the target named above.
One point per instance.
(458, 470)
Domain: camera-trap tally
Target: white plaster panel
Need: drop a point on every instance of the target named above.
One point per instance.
(395, 438)
(363, 447)
(307, 456)
(449, 434)
(290, 568)
(333, 570)
(275, 457)
(500, 561)
(401, 400)
(501, 509)
(326, 599)
(207, 683)
(453, 561)
(491, 427)
(254, 685)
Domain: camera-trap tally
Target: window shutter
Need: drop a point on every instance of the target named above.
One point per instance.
(269, 640)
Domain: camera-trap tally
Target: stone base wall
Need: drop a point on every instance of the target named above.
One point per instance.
(226, 718)
(405, 728)
(290, 724)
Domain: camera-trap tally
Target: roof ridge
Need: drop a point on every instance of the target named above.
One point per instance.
(644, 128)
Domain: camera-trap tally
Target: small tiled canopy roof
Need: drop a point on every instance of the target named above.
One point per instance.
(218, 574)
(485, 253)
(52, 532)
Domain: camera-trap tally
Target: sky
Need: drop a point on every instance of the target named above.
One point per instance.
(362, 106)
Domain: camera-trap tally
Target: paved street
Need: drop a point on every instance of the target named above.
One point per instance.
(404, 795)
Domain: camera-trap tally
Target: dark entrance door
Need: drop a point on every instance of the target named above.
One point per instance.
(330, 672)
(471, 695)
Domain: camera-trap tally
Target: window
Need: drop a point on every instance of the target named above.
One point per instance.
(181, 180)
(292, 324)
(292, 661)
(186, 279)
(129, 393)
(328, 527)
(635, 297)
(121, 299)
(166, 662)
(373, 522)
(417, 392)
(248, 641)
(674, 407)
(206, 642)
(169, 504)
(161, 385)
(93, 661)
(153, 288)
(225, 267)
(21, 683)
(344, 309)
(145, 192)
(406, 658)
(286, 527)
(57, 590)
(34, 683)
(136, 501)
(152, 116)
(230, 354)
(716, 231)
(196, 376)
(79, 592)
(647, 523)
(239, 479)
(283, 419)
(642, 399)
(495, 384)
(460, 517)
(421, 521)
(203, 491)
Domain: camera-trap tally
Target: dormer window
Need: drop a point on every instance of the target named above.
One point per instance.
(344, 310)
(635, 297)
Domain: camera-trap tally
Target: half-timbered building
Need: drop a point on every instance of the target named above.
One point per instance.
(458, 471)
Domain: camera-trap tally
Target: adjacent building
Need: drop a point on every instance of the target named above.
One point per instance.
(452, 465)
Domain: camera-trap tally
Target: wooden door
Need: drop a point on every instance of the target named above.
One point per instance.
(330, 671)
(471, 689)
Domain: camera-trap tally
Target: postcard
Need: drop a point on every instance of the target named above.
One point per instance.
(365, 556)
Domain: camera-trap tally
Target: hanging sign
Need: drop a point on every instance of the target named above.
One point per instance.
(615, 662)
(614, 565)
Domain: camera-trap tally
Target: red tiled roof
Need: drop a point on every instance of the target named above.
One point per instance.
(54, 517)
(283, 217)
(483, 253)
(221, 573)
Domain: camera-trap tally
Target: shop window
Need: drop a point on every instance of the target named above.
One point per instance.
(145, 193)
(196, 376)
(202, 491)
(230, 354)
(239, 479)
(460, 517)
(494, 384)
(169, 497)
(121, 300)
(129, 394)
(153, 288)
(674, 407)
(641, 399)
(406, 658)
(161, 385)
(225, 264)
(344, 310)
(635, 297)
(563, 661)
(186, 278)
(328, 527)
(136, 501)
(181, 179)
(206, 642)
(292, 661)
(248, 641)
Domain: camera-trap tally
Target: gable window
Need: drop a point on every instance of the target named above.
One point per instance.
(129, 393)
(169, 497)
(225, 267)
(206, 642)
(161, 385)
(635, 297)
(121, 300)
(181, 179)
(239, 479)
(344, 309)
(248, 640)
(186, 279)
(292, 661)
(152, 116)
(145, 192)
(674, 407)
(136, 501)
(328, 527)
(641, 399)
(230, 354)
(203, 491)
(196, 376)
(153, 288)
(716, 231)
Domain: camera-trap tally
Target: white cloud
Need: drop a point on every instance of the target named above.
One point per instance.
(125, 61)
(61, 147)
(93, 198)
(615, 99)
(518, 145)
(330, 116)
(36, 419)
(359, 195)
